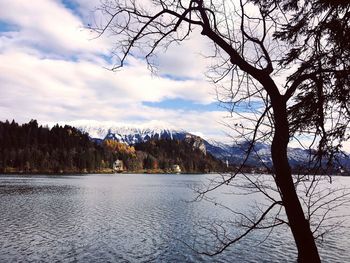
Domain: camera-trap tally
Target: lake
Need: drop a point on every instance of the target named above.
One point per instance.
(133, 218)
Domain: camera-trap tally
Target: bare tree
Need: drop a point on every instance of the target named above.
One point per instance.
(290, 55)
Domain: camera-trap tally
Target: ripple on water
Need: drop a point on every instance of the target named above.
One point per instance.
(126, 218)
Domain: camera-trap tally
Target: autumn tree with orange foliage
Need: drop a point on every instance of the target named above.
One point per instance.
(120, 147)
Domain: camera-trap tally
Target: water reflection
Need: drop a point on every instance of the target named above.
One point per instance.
(123, 218)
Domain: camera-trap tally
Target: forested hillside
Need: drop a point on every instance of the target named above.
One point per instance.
(166, 152)
(30, 148)
(33, 148)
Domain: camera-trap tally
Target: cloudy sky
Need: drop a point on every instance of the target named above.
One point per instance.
(53, 70)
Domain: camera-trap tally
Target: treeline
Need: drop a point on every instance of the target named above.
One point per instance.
(30, 148)
(163, 154)
(33, 148)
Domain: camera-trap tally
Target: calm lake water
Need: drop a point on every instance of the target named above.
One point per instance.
(131, 218)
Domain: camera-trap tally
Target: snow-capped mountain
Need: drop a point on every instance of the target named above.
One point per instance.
(132, 135)
(261, 155)
(234, 154)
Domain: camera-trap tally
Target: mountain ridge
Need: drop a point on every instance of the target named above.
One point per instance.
(233, 154)
(33, 148)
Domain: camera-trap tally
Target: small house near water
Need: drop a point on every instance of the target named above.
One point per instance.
(176, 168)
(118, 166)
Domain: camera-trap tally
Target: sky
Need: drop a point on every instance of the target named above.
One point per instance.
(53, 69)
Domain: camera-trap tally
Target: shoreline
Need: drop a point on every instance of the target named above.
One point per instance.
(136, 172)
(98, 172)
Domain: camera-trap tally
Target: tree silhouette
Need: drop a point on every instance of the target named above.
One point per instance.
(256, 43)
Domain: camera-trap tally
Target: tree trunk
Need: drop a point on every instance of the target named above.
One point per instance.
(300, 227)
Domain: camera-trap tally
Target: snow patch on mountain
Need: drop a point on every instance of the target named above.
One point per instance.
(234, 153)
(131, 135)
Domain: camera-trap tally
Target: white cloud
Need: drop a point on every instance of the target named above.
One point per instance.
(59, 90)
(188, 58)
(52, 72)
(48, 25)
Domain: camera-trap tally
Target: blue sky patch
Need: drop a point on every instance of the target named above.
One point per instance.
(7, 27)
(73, 6)
(244, 106)
(109, 58)
(174, 77)
(188, 105)
(181, 104)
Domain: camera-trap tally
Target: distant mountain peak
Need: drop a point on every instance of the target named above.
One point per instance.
(233, 153)
(131, 134)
